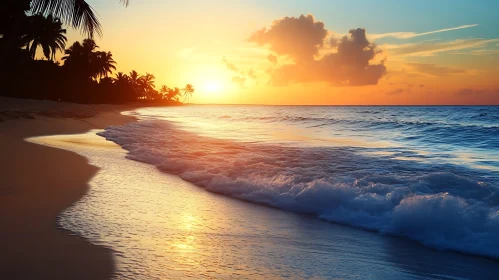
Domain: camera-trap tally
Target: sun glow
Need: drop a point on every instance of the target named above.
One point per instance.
(212, 87)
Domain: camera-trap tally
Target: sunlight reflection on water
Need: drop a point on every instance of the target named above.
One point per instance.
(164, 228)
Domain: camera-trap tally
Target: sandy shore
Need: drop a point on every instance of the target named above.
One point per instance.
(38, 182)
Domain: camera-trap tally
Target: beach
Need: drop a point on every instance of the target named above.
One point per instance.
(39, 182)
(154, 140)
(76, 206)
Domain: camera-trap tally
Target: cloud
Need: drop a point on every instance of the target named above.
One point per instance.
(408, 35)
(272, 58)
(252, 74)
(299, 38)
(434, 70)
(427, 49)
(348, 63)
(241, 81)
(469, 91)
(241, 75)
(492, 51)
(395, 92)
(229, 65)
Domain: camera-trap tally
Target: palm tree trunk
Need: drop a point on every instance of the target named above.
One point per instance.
(32, 50)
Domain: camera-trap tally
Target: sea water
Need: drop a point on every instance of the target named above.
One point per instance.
(427, 173)
(354, 193)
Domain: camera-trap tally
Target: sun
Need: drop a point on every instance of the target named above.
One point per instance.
(212, 87)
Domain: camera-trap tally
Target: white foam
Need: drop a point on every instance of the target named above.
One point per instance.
(427, 203)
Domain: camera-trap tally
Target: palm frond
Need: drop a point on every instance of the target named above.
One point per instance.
(84, 16)
(77, 13)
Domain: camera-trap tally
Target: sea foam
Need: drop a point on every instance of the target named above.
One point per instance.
(442, 206)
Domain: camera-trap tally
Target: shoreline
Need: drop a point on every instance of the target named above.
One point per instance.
(38, 183)
(163, 227)
(43, 177)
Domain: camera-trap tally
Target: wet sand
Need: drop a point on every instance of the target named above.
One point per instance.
(37, 183)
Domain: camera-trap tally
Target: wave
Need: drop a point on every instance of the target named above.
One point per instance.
(428, 203)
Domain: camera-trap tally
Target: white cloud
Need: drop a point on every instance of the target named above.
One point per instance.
(428, 49)
(408, 35)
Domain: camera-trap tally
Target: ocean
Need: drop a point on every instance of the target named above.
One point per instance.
(298, 192)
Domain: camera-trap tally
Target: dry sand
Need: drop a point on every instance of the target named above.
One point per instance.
(38, 182)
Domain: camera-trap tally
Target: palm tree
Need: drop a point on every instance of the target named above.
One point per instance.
(164, 90)
(78, 13)
(134, 78)
(121, 78)
(147, 86)
(103, 64)
(188, 90)
(79, 52)
(174, 94)
(46, 32)
(126, 86)
(77, 59)
(85, 61)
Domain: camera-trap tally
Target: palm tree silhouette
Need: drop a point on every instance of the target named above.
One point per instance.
(79, 52)
(134, 78)
(147, 86)
(174, 94)
(164, 90)
(77, 59)
(46, 32)
(188, 90)
(78, 13)
(85, 60)
(103, 64)
(121, 78)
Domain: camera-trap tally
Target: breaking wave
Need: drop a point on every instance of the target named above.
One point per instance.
(443, 206)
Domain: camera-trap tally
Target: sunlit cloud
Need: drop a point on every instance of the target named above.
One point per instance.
(435, 70)
(230, 66)
(252, 74)
(408, 35)
(428, 49)
(299, 38)
(240, 81)
(272, 58)
(348, 63)
(468, 91)
(471, 91)
(396, 91)
(480, 52)
(241, 76)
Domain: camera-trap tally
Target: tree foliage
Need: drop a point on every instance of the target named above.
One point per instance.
(77, 13)
(84, 76)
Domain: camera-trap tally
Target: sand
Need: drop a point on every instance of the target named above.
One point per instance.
(38, 182)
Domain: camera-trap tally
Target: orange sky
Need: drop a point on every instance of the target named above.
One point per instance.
(228, 51)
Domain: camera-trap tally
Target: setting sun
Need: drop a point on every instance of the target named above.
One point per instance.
(212, 87)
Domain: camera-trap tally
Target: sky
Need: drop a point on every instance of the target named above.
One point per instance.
(313, 52)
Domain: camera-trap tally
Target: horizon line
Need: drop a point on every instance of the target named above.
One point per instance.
(347, 105)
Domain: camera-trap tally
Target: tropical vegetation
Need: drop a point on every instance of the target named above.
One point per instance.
(31, 36)
(76, 12)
